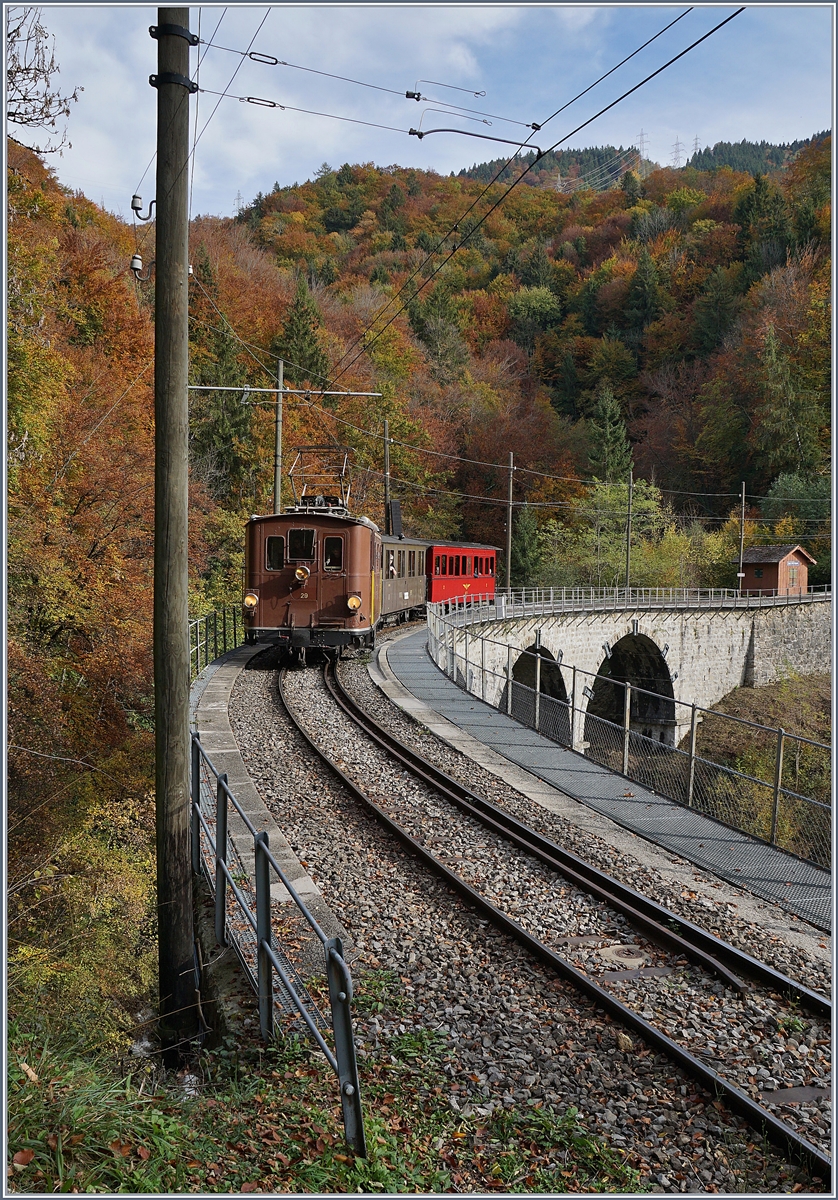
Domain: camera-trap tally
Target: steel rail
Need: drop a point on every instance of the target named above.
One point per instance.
(757, 1117)
(525, 838)
(656, 921)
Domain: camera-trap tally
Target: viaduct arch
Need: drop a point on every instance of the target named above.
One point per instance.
(687, 654)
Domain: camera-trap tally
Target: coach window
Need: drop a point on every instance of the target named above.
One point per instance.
(437, 568)
(274, 553)
(333, 553)
(391, 569)
(491, 565)
(445, 564)
(466, 561)
(411, 562)
(455, 564)
(421, 568)
(401, 564)
(478, 566)
(301, 543)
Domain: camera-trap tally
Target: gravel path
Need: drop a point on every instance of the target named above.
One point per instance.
(516, 1034)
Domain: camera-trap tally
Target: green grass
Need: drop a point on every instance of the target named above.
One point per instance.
(271, 1119)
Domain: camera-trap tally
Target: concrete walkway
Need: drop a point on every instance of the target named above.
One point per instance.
(767, 872)
(209, 710)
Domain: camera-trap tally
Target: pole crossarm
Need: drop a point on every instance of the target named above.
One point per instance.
(209, 387)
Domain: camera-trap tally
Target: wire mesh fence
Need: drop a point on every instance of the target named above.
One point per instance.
(766, 782)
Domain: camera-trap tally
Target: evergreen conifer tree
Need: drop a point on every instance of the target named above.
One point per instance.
(526, 554)
(610, 453)
(298, 344)
(631, 186)
(644, 301)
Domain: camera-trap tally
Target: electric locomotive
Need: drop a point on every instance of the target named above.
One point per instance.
(317, 575)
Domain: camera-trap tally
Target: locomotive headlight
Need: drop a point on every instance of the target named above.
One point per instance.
(353, 603)
(302, 573)
(250, 601)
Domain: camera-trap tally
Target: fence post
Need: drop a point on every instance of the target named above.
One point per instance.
(509, 681)
(195, 826)
(537, 678)
(691, 780)
(778, 783)
(465, 656)
(340, 997)
(206, 640)
(215, 634)
(626, 727)
(224, 627)
(235, 627)
(264, 968)
(220, 857)
(573, 710)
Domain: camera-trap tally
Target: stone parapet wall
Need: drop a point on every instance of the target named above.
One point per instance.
(706, 653)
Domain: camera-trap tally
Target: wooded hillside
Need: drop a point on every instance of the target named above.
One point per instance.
(680, 324)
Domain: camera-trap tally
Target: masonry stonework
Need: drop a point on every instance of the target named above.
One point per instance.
(707, 653)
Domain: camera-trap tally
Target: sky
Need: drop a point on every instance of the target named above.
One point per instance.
(768, 74)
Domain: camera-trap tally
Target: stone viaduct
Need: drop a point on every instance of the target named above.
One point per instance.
(689, 652)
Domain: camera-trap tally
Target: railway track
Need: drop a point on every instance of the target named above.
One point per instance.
(656, 948)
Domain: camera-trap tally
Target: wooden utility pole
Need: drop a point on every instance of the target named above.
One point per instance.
(509, 523)
(740, 575)
(387, 528)
(628, 530)
(171, 477)
(280, 371)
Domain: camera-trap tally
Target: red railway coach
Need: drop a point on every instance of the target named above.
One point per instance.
(457, 569)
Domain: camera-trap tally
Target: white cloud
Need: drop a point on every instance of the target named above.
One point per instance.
(767, 74)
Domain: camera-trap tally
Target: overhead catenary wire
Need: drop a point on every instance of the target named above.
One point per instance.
(529, 167)
(507, 164)
(459, 458)
(270, 60)
(262, 102)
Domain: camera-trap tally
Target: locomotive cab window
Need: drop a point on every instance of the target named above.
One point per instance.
(333, 553)
(274, 553)
(301, 543)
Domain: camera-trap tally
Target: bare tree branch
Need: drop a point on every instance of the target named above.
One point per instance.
(31, 99)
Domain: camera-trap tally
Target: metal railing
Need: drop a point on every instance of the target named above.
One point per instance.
(212, 635)
(533, 602)
(650, 738)
(213, 853)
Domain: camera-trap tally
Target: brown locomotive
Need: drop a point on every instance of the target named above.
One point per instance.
(318, 576)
